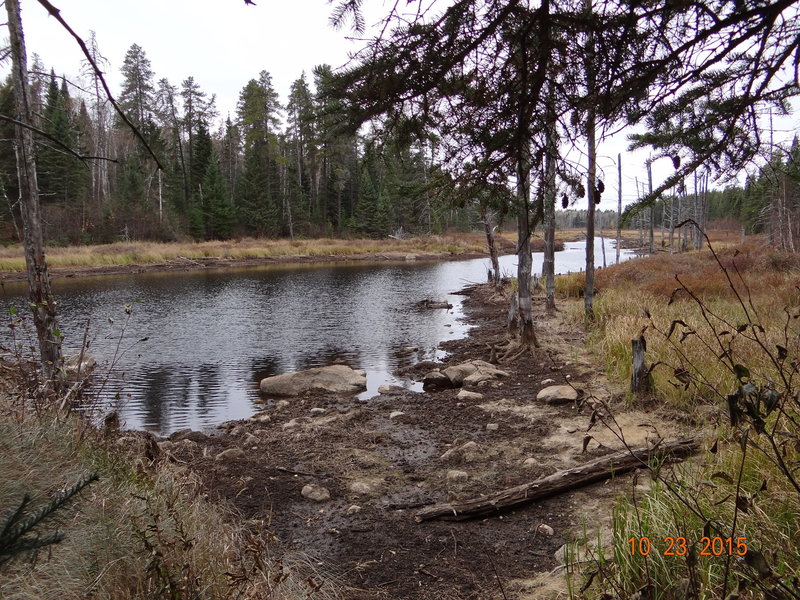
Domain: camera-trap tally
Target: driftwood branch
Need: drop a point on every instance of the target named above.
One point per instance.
(596, 470)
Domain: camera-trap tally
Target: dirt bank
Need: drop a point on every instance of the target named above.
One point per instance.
(382, 460)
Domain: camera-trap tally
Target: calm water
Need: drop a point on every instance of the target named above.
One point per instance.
(196, 344)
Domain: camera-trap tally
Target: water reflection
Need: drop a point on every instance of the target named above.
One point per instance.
(197, 343)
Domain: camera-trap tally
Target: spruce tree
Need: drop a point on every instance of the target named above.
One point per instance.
(219, 213)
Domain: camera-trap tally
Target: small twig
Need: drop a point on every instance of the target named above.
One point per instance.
(497, 575)
(428, 573)
(292, 472)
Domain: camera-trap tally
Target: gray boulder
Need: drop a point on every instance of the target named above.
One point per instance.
(315, 492)
(558, 394)
(339, 379)
(436, 380)
(472, 373)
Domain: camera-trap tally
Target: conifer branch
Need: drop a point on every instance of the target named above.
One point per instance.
(66, 149)
(18, 524)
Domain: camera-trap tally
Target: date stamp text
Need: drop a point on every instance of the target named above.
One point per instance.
(679, 546)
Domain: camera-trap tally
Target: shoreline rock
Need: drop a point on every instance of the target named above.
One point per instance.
(337, 379)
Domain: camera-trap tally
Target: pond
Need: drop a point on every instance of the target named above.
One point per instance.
(196, 344)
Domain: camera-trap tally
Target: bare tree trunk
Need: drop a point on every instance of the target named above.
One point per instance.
(652, 211)
(160, 201)
(41, 298)
(603, 245)
(672, 222)
(588, 294)
(549, 263)
(525, 261)
(619, 204)
(488, 224)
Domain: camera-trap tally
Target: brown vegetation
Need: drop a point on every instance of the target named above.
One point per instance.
(722, 336)
(88, 259)
(143, 531)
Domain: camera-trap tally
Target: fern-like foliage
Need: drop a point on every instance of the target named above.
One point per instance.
(19, 522)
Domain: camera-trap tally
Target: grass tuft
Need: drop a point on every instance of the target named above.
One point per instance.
(141, 531)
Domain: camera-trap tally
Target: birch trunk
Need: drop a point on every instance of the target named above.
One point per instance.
(41, 298)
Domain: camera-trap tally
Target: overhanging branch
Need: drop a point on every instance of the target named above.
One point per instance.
(56, 14)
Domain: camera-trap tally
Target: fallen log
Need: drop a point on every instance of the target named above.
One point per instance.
(593, 471)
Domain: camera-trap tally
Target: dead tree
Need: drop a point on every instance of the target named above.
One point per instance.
(619, 205)
(591, 177)
(490, 226)
(549, 263)
(41, 297)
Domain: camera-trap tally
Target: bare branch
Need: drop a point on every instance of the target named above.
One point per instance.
(66, 149)
(56, 14)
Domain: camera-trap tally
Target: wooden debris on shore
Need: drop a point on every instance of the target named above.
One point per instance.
(593, 471)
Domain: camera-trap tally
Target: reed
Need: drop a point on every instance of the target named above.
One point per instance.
(129, 253)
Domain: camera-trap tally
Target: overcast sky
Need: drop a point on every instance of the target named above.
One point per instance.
(225, 43)
(222, 44)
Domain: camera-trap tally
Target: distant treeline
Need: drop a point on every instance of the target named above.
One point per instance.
(276, 169)
(272, 169)
(768, 203)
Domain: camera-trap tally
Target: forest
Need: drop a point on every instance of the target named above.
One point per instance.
(276, 168)
(285, 168)
(472, 117)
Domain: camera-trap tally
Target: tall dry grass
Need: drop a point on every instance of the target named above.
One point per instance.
(650, 294)
(723, 334)
(137, 533)
(127, 253)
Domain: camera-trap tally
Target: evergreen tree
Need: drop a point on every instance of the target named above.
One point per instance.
(231, 157)
(219, 215)
(60, 172)
(301, 154)
(136, 97)
(198, 111)
(259, 194)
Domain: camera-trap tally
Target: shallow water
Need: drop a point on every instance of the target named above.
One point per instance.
(196, 343)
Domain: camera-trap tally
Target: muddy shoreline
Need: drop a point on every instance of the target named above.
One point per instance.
(384, 459)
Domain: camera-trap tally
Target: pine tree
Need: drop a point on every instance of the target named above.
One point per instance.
(136, 97)
(231, 157)
(301, 147)
(259, 193)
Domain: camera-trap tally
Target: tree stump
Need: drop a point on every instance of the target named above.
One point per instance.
(513, 312)
(641, 380)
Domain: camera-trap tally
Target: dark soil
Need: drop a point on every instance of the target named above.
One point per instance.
(378, 550)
